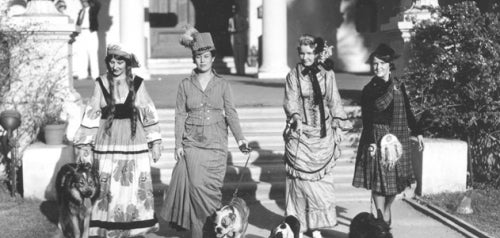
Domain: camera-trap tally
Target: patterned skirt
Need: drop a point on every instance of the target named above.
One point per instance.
(125, 206)
(371, 174)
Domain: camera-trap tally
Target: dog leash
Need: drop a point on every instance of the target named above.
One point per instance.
(235, 194)
(294, 164)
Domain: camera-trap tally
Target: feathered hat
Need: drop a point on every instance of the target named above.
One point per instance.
(121, 50)
(198, 42)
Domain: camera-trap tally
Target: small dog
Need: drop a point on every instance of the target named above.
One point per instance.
(232, 220)
(365, 225)
(288, 228)
(77, 187)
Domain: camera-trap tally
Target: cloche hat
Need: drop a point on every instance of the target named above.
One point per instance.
(383, 52)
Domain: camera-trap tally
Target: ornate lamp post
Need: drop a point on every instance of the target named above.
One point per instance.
(10, 121)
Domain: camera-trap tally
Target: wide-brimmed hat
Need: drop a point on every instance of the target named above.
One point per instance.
(199, 43)
(124, 51)
(383, 52)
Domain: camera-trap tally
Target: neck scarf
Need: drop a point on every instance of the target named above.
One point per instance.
(311, 71)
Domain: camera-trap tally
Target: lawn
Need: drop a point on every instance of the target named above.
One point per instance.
(485, 204)
(21, 218)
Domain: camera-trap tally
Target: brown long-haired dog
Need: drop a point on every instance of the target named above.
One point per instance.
(77, 187)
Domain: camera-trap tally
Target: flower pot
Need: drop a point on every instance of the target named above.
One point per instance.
(54, 134)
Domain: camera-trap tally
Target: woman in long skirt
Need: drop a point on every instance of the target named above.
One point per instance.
(120, 128)
(204, 110)
(315, 119)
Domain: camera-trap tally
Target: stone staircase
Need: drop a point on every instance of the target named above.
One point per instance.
(166, 66)
(264, 177)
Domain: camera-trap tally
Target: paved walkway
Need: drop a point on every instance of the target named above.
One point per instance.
(407, 222)
(267, 213)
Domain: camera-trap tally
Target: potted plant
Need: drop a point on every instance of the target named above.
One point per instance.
(54, 128)
(54, 122)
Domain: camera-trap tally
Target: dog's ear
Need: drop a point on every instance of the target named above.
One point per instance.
(294, 224)
(66, 172)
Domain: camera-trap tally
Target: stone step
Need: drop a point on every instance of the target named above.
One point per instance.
(168, 142)
(260, 173)
(264, 113)
(257, 157)
(265, 192)
(186, 65)
(257, 126)
(248, 127)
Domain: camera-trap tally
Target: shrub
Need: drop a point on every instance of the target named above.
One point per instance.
(32, 79)
(453, 75)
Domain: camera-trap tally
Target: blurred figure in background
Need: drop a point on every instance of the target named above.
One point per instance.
(238, 26)
(86, 43)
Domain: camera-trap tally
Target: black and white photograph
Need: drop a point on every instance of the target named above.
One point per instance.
(249, 118)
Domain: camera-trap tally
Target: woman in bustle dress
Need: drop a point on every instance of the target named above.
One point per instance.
(315, 118)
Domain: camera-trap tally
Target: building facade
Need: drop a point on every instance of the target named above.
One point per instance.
(270, 32)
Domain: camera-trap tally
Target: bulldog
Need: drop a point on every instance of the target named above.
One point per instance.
(232, 219)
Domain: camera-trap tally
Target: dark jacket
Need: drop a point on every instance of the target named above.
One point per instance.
(373, 114)
(93, 12)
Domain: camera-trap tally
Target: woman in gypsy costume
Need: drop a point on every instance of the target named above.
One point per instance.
(120, 127)
(385, 109)
(315, 119)
(204, 109)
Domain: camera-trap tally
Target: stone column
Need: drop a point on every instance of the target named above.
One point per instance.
(274, 40)
(40, 70)
(132, 32)
(51, 33)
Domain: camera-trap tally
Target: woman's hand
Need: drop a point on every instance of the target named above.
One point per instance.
(296, 123)
(179, 153)
(243, 146)
(84, 154)
(156, 152)
(420, 139)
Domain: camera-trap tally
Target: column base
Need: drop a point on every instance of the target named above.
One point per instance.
(41, 163)
(279, 73)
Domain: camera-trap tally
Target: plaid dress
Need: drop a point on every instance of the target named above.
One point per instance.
(385, 109)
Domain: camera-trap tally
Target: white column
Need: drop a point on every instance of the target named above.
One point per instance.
(132, 32)
(274, 40)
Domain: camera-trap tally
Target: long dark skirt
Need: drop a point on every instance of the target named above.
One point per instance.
(195, 190)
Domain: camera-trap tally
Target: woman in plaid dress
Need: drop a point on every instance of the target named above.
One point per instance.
(385, 109)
